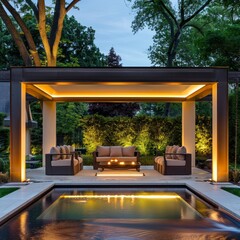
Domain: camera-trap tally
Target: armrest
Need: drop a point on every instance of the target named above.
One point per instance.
(137, 154)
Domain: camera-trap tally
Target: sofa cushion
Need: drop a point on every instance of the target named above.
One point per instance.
(169, 150)
(103, 151)
(67, 149)
(64, 163)
(175, 162)
(181, 150)
(128, 151)
(116, 151)
(174, 150)
(55, 150)
(63, 151)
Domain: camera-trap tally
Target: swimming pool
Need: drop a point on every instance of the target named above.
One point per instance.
(121, 213)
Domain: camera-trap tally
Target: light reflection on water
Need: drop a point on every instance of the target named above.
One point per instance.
(212, 224)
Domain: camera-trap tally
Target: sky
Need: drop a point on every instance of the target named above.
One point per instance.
(111, 19)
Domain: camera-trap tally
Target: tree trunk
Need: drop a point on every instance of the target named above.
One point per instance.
(16, 36)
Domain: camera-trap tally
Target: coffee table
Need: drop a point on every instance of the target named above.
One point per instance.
(115, 164)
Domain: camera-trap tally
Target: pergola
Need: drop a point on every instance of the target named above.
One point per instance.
(185, 85)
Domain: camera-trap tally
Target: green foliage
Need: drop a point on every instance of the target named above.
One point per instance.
(4, 137)
(148, 134)
(77, 47)
(68, 128)
(170, 23)
(232, 131)
(3, 179)
(113, 59)
(36, 133)
(2, 116)
(2, 166)
(203, 136)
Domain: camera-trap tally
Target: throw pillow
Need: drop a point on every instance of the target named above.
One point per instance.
(168, 150)
(55, 150)
(63, 151)
(181, 150)
(128, 151)
(174, 150)
(116, 151)
(103, 151)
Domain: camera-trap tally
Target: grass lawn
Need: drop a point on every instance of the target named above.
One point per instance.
(6, 191)
(235, 191)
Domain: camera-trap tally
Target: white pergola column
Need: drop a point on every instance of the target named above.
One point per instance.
(188, 128)
(49, 127)
(220, 162)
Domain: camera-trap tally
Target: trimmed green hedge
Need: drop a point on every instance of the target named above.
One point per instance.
(148, 134)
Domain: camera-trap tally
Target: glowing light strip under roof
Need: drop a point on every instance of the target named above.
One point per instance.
(164, 196)
(193, 89)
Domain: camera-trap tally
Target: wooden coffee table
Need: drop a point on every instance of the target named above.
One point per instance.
(113, 164)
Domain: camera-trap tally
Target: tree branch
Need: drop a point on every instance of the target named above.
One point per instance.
(198, 11)
(33, 7)
(16, 36)
(26, 32)
(42, 25)
(72, 4)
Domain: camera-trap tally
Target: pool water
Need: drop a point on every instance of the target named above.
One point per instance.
(120, 214)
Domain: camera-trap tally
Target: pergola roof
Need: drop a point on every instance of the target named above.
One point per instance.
(119, 84)
(184, 85)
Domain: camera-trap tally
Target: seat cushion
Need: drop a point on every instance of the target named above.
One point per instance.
(128, 151)
(175, 162)
(124, 159)
(103, 151)
(55, 150)
(116, 151)
(64, 162)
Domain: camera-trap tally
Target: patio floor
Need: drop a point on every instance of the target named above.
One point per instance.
(39, 183)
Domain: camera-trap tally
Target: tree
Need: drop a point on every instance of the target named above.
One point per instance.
(114, 109)
(113, 59)
(170, 23)
(50, 29)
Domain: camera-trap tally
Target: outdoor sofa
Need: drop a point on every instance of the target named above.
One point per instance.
(175, 161)
(63, 160)
(105, 154)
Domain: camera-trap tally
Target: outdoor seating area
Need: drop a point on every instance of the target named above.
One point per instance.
(116, 157)
(63, 160)
(175, 161)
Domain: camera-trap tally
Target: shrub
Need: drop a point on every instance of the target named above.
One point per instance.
(3, 178)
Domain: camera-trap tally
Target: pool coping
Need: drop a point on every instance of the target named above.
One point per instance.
(15, 202)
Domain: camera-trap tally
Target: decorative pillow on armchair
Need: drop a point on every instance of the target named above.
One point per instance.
(182, 150)
(128, 151)
(55, 150)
